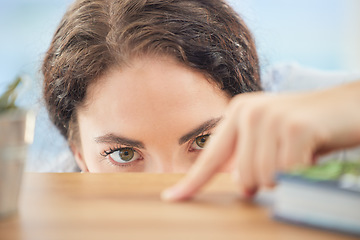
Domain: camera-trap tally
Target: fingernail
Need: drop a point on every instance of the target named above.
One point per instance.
(169, 195)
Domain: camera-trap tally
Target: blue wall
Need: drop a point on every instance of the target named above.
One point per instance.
(305, 31)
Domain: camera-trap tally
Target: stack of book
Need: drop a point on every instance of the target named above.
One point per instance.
(325, 196)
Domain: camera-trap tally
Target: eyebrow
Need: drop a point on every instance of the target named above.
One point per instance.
(111, 138)
(200, 129)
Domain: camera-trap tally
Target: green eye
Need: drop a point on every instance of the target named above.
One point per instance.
(201, 141)
(126, 154)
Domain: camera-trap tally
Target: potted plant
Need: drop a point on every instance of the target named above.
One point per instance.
(16, 131)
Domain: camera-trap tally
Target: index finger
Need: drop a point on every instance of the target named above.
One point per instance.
(217, 152)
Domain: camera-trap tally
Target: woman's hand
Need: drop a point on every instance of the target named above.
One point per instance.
(262, 134)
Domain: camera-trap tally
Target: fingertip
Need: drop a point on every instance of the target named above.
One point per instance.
(175, 193)
(249, 193)
(168, 195)
(245, 192)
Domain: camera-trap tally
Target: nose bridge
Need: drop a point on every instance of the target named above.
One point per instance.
(168, 162)
(163, 164)
(164, 152)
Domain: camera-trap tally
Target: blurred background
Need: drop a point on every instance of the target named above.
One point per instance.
(321, 34)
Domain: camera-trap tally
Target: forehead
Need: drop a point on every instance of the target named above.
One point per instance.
(149, 91)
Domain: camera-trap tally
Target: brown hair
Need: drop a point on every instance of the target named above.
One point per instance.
(94, 35)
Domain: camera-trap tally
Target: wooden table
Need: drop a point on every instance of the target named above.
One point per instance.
(127, 206)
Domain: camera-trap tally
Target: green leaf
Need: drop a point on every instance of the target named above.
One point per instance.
(330, 170)
(7, 100)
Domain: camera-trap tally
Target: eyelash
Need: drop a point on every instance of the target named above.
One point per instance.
(190, 143)
(111, 150)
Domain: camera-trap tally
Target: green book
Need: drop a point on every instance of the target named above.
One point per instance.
(325, 196)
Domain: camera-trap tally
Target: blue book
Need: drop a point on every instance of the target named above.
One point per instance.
(325, 196)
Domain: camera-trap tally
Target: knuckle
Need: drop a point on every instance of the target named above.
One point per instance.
(294, 128)
(274, 120)
(252, 114)
(247, 105)
(235, 103)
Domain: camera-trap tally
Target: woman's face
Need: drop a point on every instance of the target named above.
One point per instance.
(153, 116)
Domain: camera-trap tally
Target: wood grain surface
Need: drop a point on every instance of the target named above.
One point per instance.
(127, 206)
